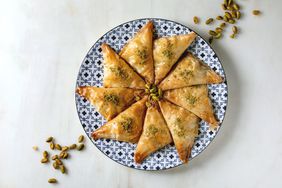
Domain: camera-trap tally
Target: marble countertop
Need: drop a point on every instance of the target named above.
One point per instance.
(42, 44)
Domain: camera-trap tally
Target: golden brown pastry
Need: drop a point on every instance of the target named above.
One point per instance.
(190, 71)
(183, 126)
(139, 54)
(155, 135)
(127, 126)
(167, 51)
(196, 100)
(117, 73)
(109, 101)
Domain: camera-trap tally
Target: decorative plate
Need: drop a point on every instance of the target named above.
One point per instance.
(91, 74)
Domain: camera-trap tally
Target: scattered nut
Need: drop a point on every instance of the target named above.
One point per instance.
(54, 157)
(196, 20)
(256, 12)
(49, 139)
(210, 20)
(58, 146)
(63, 169)
(80, 147)
(73, 146)
(44, 160)
(65, 148)
(80, 138)
(52, 146)
(35, 148)
(45, 154)
(52, 180)
(55, 165)
(58, 161)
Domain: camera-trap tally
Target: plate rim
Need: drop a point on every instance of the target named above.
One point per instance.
(163, 19)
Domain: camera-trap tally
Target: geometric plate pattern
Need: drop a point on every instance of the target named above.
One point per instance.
(91, 74)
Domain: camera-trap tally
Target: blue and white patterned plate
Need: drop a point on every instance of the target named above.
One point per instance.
(91, 74)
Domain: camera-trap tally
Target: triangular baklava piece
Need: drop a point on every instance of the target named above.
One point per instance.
(109, 101)
(139, 54)
(127, 126)
(117, 73)
(190, 71)
(155, 135)
(196, 100)
(183, 126)
(167, 50)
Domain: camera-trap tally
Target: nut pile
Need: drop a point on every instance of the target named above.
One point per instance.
(232, 14)
(63, 154)
(155, 93)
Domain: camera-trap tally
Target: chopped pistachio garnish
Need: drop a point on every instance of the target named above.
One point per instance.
(191, 99)
(127, 124)
(186, 74)
(152, 130)
(119, 72)
(179, 130)
(167, 53)
(143, 54)
(112, 98)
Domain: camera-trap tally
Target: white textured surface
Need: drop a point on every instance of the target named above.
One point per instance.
(42, 44)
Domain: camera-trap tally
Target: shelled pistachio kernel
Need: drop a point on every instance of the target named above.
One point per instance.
(58, 146)
(196, 20)
(230, 2)
(219, 18)
(218, 35)
(230, 8)
(54, 157)
(61, 155)
(44, 160)
(52, 145)
(235, 29)
(218, 30)
(59, 162)
(238, 15)
(223, 6)
(236, 6)
(50, 139)
(212, 33)
(137, 98)
(225, 18)
(148, 86)
(35, 148)
(65, 148)
(73, 146)
(233, 14)
(210, 20)
(52, 180)
(256, 12)
(45, 154)
(222, 25)
(228, 15)
(231, 21)
(160, 93)
(232, 36)
(66, 155)
(80, 147)
(148, 104)
(63, 169)
(210, 39)
(80, 138)
(55, 165)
